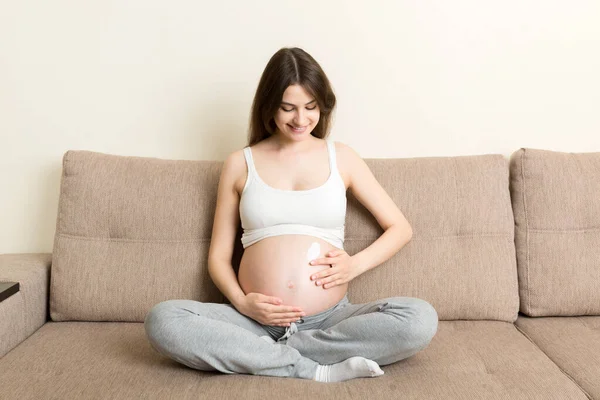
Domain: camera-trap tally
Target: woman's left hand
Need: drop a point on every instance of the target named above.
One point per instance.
(342, 269)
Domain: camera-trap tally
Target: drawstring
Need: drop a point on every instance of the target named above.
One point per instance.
(289, 331)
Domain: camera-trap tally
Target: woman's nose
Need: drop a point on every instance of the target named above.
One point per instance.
(300, 118)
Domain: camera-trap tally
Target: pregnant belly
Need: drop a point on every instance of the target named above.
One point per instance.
(279, 266)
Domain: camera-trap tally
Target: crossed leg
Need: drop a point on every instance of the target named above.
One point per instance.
(214, 336)
(385, 331)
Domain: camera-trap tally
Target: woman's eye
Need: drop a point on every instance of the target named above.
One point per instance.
(293, 109)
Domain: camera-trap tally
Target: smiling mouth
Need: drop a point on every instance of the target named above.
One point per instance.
(300, 129)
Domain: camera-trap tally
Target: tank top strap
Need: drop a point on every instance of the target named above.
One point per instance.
(332, 156)
(249, 162)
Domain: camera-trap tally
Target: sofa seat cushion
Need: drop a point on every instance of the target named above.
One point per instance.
(572, 343)
(466, 359)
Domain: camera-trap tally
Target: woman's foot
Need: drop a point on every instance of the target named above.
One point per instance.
(353, 367)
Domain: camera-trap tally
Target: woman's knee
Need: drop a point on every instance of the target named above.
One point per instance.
(156, 318)
(423, 324)
(428, 322)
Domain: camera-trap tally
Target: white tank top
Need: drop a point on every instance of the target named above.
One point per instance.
(267, 211)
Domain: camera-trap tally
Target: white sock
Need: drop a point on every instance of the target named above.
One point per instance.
(268, 339)
(353, 367)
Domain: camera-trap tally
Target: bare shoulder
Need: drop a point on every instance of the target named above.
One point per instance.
(345, 149)
(347, 158)
(234, 170)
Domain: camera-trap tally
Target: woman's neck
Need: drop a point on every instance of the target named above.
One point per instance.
(292, 146)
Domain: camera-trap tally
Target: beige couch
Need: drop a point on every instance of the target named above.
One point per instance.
(506, 250)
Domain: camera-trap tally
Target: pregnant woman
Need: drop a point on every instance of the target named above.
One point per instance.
(289, 314)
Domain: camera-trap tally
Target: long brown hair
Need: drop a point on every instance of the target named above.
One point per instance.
(289, 66)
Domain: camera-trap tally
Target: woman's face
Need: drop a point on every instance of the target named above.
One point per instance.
(298, 109)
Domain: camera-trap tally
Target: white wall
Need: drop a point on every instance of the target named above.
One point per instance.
(175, 79)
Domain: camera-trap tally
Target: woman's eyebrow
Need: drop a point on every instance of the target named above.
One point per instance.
(290, 104)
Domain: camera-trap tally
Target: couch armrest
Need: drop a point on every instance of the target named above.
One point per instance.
(26, 311)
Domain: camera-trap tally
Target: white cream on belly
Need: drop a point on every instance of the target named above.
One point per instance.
(313, 251)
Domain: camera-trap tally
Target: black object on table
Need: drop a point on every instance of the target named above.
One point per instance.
(7, 289)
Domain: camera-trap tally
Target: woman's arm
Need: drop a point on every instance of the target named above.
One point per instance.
(224, 230)
(223, 276)
(386, 245)
(367, 190)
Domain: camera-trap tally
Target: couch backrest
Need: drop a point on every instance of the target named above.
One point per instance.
(461, 258)
(556, 202)
(134, 231)
(130, 232)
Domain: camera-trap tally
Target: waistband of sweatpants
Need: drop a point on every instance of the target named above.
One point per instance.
(315, 319)
(323, 314)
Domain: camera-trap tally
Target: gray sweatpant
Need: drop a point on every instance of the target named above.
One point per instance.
(214, 336)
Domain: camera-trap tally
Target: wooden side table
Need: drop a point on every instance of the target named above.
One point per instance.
(7, 289)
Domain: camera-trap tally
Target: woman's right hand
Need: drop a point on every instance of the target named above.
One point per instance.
(268, 310)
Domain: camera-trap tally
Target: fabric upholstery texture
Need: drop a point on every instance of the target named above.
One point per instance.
(26, 311)
(466, 360)
(506, 250)
(556, 202)
(572, 343)
(133, 231)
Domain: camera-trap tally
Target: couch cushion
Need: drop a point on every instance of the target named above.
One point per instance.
(461, 258)
(131, 232)
(134, 231)
(556, 202)
(465, 360)
(572, 343)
